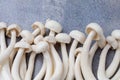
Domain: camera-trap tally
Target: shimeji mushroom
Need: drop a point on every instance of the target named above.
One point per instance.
(95, 32)
(55, 27)
(23, 47)
(77, 68)
(78, 37)
(36, 40)
(39, 28)
(111, 42)
(64, 39)
(43, 47)
(32, 59)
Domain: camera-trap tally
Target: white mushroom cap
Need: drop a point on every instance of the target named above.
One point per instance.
(39, 25)
(40, 47)
(79, 36)
(63, 38)
(24, 45)
(3, 25)
(99, 33)
(50, 39)
(38, 39)
(116, 34)
(27, 36)
(53, 26)
(13, 27)
(112, 41)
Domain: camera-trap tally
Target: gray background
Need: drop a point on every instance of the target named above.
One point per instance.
(72, 14)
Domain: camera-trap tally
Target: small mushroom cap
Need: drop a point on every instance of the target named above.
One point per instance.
(53, 26)
(3, 25)
(77, 35)
(39, 25)
(27, 36)
(63, 38)
(24, 45)
(13, 27)
(38, 39)
(116, 34)
(50, 39)
(40, 47)
(112, 41)
(78, 50)
(94, 27)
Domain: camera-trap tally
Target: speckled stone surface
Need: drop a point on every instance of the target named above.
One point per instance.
(72, 14)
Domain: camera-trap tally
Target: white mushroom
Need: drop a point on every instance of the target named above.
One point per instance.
(78, 37)
(23, 47)
(95, 32)
(101, 67)
(58, 67)
(64, 39)
(77, 68)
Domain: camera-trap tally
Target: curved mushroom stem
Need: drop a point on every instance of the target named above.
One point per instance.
(49, 65)
(57, 65)
(117, 75)
(114, 64)
(29, 72)
(101, 68)
(16, 63)
(65, 60)
(70, 75)
(41, 74)
(86, 69)
(78, 75)
(92, 52)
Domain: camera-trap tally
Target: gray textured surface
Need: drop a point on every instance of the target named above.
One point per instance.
(72, 14)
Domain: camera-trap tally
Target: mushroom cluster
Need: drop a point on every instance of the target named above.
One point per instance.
(74, 63)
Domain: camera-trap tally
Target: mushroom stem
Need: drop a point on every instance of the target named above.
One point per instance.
(65, 60)
(117, 75)
(101, 68)
(42, 71)
(86, 70)
(30, 66)
(15, 70)
(78, 75)
(70, 75)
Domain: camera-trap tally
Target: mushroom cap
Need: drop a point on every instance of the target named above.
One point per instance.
(3, 25)
(40, 47)
(50, 39)
(27, 36)
(53, 26)
(63, 38)
(78, 50)
(112, 41)
(39, 25)
(23, 45)
(38, 39)
(94, 27)
(13, 27)
(77, 35)
(116, 34)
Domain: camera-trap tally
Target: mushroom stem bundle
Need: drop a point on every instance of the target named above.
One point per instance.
(95, 32)
(78, 37)
(64, 39)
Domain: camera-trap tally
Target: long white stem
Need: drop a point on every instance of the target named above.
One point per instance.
(117, 75)
(86, 69)
(16, 63)
(114, 64)
(70, 75)
(57, 75)
(30, 69)
(78, 75)
(65, 60)
(41, 74)
(101, 68)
